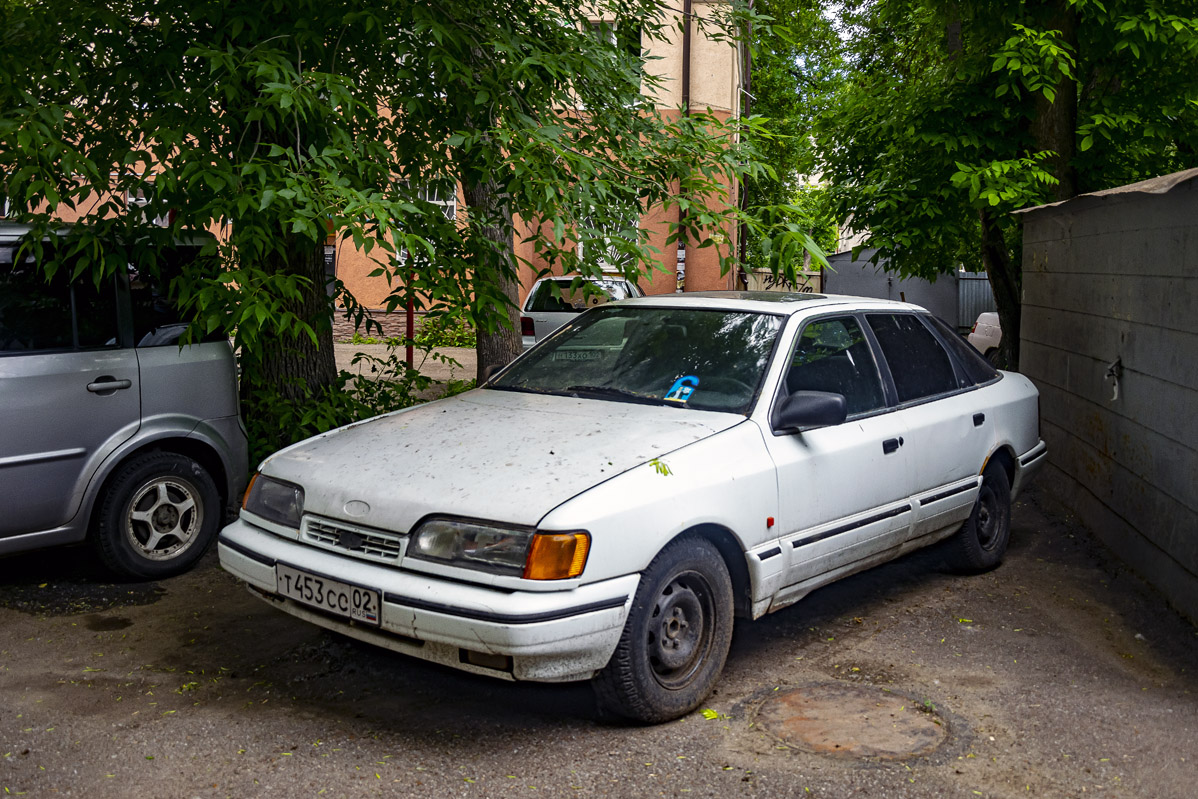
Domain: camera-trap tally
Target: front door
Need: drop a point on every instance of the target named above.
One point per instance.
(844, 490)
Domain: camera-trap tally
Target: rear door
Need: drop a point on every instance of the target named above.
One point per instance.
(948, 434)
(69, 392)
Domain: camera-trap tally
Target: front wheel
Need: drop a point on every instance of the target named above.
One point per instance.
(982, 541)
(157, 517)
(676, 638)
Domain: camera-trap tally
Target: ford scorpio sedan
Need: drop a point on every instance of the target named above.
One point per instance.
(608, 504)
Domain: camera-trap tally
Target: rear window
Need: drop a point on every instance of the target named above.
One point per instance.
(157, 321)
(560, 296)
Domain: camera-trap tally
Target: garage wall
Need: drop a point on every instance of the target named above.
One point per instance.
(1114, 277)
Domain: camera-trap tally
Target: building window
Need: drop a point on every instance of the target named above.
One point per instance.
(600, 248)
(445, 196)
(139, 198)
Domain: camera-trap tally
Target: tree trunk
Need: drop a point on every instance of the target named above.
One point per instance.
(1054, 124)
(1004, 277)
(500, 346)
(297, 366)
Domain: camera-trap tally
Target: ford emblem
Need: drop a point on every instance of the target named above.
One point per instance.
(356, 507)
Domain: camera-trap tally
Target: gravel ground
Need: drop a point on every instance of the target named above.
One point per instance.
(1057, 675)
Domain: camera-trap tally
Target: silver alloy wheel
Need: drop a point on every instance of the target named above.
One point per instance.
(164, 518)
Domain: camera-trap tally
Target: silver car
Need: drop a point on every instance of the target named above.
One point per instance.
(553, 301)
(110, 432)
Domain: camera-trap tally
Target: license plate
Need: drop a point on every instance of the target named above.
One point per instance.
(333, 596)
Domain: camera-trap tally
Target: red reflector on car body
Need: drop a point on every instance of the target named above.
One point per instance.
(526, 327)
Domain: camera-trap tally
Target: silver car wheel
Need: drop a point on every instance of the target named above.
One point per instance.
(163, 518)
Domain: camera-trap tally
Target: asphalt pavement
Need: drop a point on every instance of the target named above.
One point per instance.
(1059, 674)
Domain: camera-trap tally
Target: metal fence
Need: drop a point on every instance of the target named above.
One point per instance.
(973, 297)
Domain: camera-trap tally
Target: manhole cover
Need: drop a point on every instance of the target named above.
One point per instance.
(852, 720)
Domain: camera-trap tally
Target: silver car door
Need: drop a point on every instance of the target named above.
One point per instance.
(69, 394)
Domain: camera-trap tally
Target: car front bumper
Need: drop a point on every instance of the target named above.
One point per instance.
(552, 636)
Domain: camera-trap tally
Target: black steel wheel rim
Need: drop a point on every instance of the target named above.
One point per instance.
(988, 519)
(681, 630)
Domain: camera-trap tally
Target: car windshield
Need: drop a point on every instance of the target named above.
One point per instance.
(702, 359)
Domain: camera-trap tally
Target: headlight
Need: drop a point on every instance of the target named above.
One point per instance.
(274, 500)
(501, 550)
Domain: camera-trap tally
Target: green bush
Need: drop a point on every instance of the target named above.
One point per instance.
(444, 331)
(382, 385)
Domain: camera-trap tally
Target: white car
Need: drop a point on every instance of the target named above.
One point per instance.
(606, 505)
(986, 335)
(553, 301)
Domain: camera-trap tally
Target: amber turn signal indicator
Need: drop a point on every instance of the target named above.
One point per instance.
(557, 556)
(246, 496)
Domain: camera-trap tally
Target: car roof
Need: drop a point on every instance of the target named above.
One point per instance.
(14, 231)
(772, 302)
(590, 278)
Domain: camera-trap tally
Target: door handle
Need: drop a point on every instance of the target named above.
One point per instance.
(108, 385)
(978, 419)
(891, 445)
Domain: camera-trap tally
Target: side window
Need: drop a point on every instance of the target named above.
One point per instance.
(156, 320)
(833, 355)
(918, 363)
(40, 316)
(975, 368)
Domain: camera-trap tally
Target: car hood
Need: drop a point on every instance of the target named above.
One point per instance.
(487, 454)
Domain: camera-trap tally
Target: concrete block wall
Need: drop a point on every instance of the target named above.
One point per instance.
(1115, 277)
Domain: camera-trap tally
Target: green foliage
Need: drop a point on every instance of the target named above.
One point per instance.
(795, 71)
(444, 331)
(378, 384)
(954, 114)
(275, 122)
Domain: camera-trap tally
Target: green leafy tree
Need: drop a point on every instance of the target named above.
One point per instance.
(794, 73)
(280, 122)
(957, 113)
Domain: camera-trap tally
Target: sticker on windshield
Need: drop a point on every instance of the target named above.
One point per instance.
(682, 389)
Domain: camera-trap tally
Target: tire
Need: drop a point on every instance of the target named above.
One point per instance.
(676, 638)
(158, 516)
(982, 541)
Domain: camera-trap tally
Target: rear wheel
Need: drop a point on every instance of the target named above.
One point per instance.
(158, 516)
(676, 638)
(982, 540)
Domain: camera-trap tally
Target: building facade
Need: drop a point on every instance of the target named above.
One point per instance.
(697, 72)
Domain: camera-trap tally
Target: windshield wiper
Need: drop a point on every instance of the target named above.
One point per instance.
(523, 389)
(621, 394)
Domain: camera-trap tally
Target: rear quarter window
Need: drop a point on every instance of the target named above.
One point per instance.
(975, 369)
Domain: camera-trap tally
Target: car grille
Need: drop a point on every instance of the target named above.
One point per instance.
(358, 542)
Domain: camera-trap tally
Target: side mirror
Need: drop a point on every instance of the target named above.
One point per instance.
(806, 409)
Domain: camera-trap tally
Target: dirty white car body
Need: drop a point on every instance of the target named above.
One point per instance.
(756, 515)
